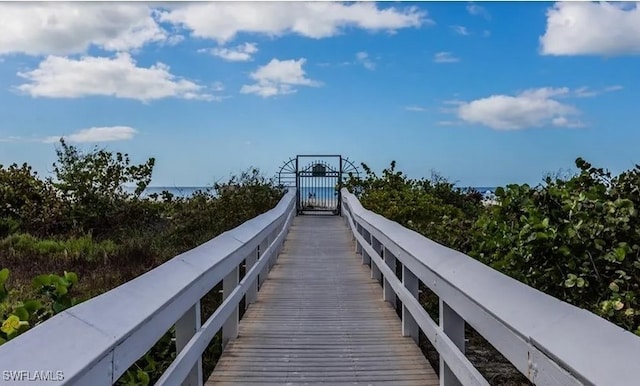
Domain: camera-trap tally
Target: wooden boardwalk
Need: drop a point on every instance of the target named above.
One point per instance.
(320, 318)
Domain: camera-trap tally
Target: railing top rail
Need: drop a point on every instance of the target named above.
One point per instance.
(105, 335)
(587, 346)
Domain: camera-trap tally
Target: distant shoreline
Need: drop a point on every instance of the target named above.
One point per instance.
(188, 191)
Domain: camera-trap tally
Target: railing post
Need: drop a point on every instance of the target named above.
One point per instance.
(230, 327)
(453, 326)
(252, 291)
(390, 260)
(366, 259)
(358, 246)
(409, 325)
(186, 327)
(265, 270)
(375, 271)
(276, 249)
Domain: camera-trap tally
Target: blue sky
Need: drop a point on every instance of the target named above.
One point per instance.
(484, 93)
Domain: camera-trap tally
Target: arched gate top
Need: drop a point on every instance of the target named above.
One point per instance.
(317, 180)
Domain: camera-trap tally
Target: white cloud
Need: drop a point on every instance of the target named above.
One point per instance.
(56, 28)
(97, 134)
(452, 102)
(445, 57)
(589, 28)
(239, 53)
(530, 108)
(224, 20)
(616, 87)
(279, 77)
(460, 30)
(564, 122)
(61, 77)
(90, 135)
(175, 40)
(586, 92)
(545, 92)
(364, 59)
(415, 108)
(11, 138)
(477, 10)
(217, 86)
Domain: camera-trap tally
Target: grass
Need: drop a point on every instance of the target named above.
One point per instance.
(101, 265)
(73, 249)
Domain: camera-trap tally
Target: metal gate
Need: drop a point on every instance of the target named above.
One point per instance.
(317, 180)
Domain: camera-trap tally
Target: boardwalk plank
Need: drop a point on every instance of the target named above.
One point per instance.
(320, 318)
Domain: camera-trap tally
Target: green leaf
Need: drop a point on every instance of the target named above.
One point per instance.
(614, 287)
(10, 325)
(570, 281)
(61, 280)
(21, 313)
(41, 281)
(545, 222)
(32, 305)
(4, 275)
(71, 277)
(58, 307)
(61, 289)
(564, 250)
(143, 377)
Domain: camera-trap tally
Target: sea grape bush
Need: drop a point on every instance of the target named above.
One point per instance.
(577, 239)
(55, 296)
(574, 237)
(28, 203)
(86, 196)
(17, 316)
(432, 207)
(92, 183)
(83, 219)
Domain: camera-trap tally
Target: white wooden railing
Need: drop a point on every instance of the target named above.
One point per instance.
(549, 341)
(95, 342)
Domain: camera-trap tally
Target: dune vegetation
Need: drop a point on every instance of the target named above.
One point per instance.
(576, 238)
(79, 233)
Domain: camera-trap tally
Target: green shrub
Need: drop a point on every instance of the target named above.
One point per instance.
(577, 239)
(27, 203)
(16, 317)
(432, 207)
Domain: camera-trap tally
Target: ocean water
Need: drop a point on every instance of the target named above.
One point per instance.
(321, 193)
(178, 191)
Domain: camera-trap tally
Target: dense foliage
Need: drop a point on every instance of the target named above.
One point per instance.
(54, 296)
(83, 219)
(575, 237)
(432, 207)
